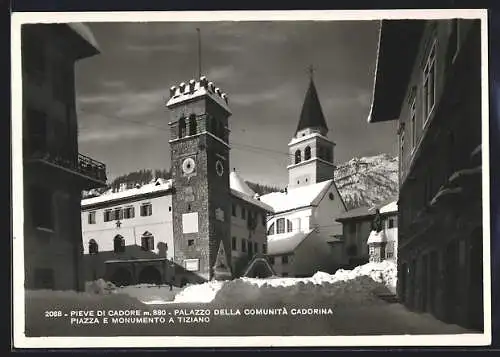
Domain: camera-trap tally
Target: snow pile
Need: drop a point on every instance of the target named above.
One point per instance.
(100, 287)
(199, 292)
(384, 273)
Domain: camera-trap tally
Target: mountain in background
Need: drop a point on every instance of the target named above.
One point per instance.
(364, 181)
(367, 181)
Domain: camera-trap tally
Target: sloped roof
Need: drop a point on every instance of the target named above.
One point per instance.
(356, 213)
(251, 200)
(85, 32)
(285, 243)
(157, 186)
(311, 115)
(304, 196)
(238, 184)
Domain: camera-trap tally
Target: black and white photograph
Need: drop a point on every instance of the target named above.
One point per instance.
(292, 178)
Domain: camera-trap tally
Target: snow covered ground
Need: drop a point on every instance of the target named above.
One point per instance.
(350, 296)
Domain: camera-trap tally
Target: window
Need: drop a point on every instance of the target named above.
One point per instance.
(37, 131)
(413, 121)
(284, 259)
(192, 124)
(234, 244)
(256, 247)
(118, 244)
(243, 213)
(389, 255)
(129, 212)
(190, 242)
(280, 224)
(298, 156)
(352, 227)
(182, 127)
(264, 248)
(270, 231)
(107, 215)
(234, 210)
(429, 85)
(93, 247)
(147, 241)
(170, 208)
(271, 260)
(44, 278)
(146, 209)
(371, 250)
(244, 245)
(391, 223)
(91, 217)
(34, 58)
(307, 153)
(118, 213)
(289, 226)
(331, 196)
(41, 207)
(250, 249)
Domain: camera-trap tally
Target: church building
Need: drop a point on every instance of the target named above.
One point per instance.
(303, 235)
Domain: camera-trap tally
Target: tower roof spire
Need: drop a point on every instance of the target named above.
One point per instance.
(311, 115)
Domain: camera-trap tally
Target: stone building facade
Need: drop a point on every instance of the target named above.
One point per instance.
(54, 172)
(435, 94)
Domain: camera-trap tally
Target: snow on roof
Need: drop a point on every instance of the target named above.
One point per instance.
(84, 31)
(285, 243)
(156, 186)
(376, 237)
(196, 89)
(251, 200)
(297, 197)
(389, 208)
(238, 184)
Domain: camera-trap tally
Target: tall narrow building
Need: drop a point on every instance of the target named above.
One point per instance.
(54, 172)
(201, 203)
(311, 152)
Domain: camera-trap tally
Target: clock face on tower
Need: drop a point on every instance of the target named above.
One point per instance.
(219, 168)
(188, 166)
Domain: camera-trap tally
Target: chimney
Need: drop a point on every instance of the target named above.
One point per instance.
(211, 86)
(203, 81)
(217, 90)
(182, 87)
(172, 91)
(224, 96)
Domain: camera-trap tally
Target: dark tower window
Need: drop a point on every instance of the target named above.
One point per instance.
(182, 127)
(307, 153)
(298, 156)
(93, 247)
(118, 244)
(192, 124)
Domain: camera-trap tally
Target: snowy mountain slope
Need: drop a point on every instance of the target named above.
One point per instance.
(367, 180)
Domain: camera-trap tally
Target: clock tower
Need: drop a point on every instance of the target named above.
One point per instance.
(201, 205)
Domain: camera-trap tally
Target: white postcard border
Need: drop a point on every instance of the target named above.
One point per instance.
(21, 341)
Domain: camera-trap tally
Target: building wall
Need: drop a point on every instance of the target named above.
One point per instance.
(439, 264)
(313, 170)
(53, 253)
(356, 233)
(159, 224)
(242, 234)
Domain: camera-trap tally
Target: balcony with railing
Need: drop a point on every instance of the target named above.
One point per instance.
(89, 172)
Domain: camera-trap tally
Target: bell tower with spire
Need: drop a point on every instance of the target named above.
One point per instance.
(310, 150)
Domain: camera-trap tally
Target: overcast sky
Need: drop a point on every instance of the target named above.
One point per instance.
(121, 92)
